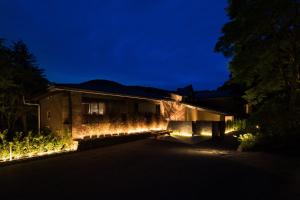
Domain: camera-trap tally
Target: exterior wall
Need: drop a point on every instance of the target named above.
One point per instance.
(147, 107)
(124, 105)
(65, 112)
(54, 112)
(199, 122)
(175, 111)
(198, 128)
(203, 128)
(76, 112)
(118, 117)
(229, 118)
(206, 116)
(181, 126)
(193, 114)
(115, 107)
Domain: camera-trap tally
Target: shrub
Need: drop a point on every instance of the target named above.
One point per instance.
(247, 141)
(236, 125)
(27, 146)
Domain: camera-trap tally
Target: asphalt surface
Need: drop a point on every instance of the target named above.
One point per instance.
(152, 169)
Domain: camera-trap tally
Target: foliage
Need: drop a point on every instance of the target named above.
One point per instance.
(262, 40)
(236, 125)
(20, 77)
(247, 141)
(28, 146)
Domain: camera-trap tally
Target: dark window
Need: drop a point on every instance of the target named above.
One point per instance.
(136, 107)
(157, 109)
(123, 117)
(48, 115)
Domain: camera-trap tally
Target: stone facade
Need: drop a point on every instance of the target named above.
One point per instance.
(54, 112)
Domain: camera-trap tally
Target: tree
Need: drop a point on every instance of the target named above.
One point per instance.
(262, 39)
(20, 77)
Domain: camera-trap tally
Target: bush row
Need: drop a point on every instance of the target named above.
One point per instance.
(29, 145)
(236, 125)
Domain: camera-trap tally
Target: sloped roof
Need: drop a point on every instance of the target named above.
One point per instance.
(112, 87)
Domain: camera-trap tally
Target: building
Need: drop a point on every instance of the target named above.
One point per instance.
(101, 107)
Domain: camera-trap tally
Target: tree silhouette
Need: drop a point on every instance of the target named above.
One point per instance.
(20, 77)
(262, 39)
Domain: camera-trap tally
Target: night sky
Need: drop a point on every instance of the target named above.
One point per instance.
(160, 43)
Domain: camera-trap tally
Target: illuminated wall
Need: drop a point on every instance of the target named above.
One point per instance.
(55, 112)
(147, 107)
(198, 128)
(207, 116)
(203, 128)
(181, 127)
(229, 118)
(122, 116)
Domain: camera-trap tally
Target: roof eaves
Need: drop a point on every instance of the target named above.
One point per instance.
(204, 108)
(74, 89)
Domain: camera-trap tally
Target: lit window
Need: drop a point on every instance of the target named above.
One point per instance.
(96, 108)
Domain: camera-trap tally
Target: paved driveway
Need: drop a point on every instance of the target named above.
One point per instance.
(149, 169)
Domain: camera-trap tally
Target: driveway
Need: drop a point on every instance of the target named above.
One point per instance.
(153, 169)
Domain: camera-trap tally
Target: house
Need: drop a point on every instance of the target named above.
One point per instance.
(102, 107)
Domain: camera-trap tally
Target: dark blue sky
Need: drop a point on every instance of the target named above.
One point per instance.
(161, 43)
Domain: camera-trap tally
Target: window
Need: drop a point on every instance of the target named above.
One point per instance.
(136, 107)
(94, 108)
(48, 115)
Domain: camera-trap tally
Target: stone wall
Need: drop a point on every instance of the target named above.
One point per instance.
(198, 128)
(54, 112)
(181, 126)
(203, 128)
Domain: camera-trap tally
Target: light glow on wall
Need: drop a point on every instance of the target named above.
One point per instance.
(181, 133)
(229, 130)
(111, 128)
(187, 134)
(206, 133)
